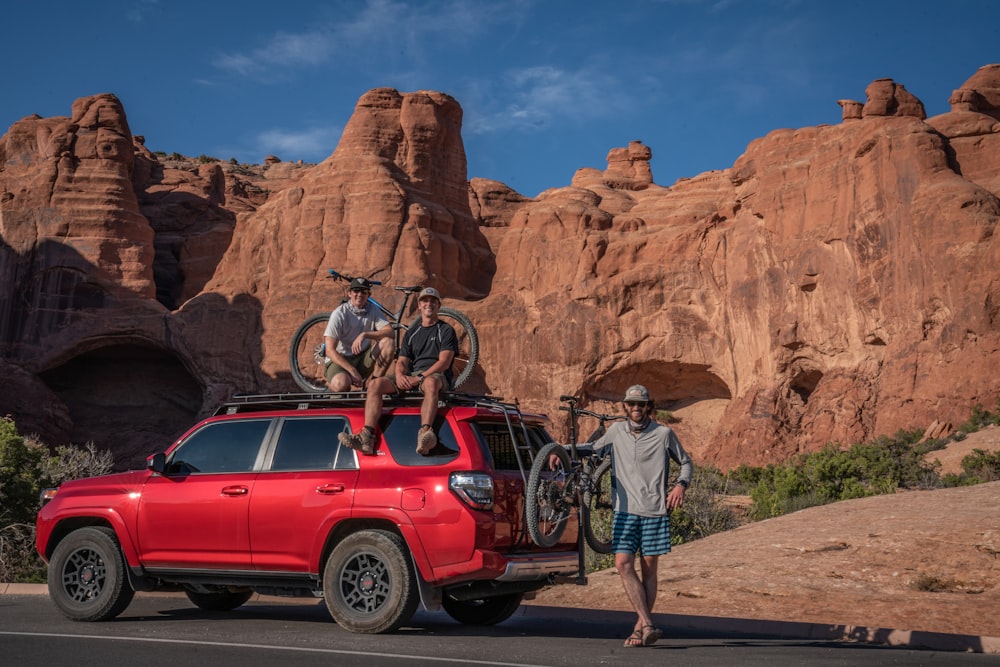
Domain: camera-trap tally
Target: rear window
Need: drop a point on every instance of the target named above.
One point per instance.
(496, 439)
(400, 433)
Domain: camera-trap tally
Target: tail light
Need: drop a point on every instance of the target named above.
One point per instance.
(474, 488)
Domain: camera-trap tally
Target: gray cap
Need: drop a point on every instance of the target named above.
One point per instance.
(636, 393)
(429, 291)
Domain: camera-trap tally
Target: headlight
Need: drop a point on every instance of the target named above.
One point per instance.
(47, 494)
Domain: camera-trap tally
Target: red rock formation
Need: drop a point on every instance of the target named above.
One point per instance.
(837, 283)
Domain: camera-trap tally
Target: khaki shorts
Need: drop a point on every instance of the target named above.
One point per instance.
(364, 362)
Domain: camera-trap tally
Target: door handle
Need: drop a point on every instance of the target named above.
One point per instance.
(235, 491)
(330, 488)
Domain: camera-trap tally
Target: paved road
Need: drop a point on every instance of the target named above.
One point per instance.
(166, 630)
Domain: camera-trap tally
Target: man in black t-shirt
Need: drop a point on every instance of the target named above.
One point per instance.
(425, 359)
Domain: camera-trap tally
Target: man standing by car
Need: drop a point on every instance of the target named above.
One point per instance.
(424, 362)
(641, 450)
(358, 341)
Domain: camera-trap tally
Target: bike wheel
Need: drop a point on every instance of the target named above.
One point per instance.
(550, 495)
(598, 514)
(468, 344)
(305, 358)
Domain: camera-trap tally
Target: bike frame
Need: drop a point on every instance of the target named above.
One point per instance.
(582, 469)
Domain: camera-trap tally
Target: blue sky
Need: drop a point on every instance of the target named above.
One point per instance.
(547, 87)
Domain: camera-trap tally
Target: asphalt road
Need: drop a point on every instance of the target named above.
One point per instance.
(166, 630)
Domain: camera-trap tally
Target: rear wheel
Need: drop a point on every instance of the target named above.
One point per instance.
(598, 514)
(369, 583)
(219, 600)
(87, 576)
(306, 358)
(485, 611)
(549, 496)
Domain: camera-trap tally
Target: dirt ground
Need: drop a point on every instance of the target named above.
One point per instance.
(924, 561)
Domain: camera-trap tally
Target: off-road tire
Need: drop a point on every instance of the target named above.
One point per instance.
(484, 611)
(369, 582)
(548, 498)
(87, 576)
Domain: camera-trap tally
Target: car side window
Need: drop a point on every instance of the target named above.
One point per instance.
(226, 446)
(310, 443)
(400, 433)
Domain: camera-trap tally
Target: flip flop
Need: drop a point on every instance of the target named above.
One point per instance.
(634, 640)
(650, 635)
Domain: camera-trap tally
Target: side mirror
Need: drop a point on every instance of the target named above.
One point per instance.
(157, 463)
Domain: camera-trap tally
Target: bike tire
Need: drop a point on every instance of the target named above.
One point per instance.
(468, 344)
(308, 375)
(549, 496)
(598, 513)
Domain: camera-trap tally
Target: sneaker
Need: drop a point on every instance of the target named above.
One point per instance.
(363, 441)
(426, 440)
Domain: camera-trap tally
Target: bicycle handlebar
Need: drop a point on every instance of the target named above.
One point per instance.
(346, 278)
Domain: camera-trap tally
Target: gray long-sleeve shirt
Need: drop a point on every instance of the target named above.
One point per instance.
(640, 466)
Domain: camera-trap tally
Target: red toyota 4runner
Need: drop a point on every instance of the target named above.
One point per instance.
(262, 498)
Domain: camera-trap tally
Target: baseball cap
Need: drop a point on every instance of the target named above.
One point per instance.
(361, 284)
(429, 291)
(636, 393)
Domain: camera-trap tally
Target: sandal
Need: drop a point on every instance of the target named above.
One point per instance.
(650, 635)
(634, 640)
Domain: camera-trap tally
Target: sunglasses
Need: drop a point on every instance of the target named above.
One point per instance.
(641, 404)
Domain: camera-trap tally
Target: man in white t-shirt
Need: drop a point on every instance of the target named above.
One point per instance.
(358, 341)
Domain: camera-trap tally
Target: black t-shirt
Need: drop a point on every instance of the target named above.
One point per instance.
(423, 345)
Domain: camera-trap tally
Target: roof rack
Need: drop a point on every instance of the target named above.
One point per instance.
(298, 401)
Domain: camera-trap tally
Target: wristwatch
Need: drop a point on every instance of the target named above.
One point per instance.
(683, 482)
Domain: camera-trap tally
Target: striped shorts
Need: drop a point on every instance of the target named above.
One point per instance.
(633, 534)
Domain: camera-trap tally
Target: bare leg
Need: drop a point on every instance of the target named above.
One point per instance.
(373, 402)
(649, 566)
(340, 382)
(431, 386)
(384, 353)
(636, 591)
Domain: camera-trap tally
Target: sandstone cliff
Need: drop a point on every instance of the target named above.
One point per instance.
(836, 283)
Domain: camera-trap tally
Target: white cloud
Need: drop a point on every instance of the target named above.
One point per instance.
(544, 95)
(311, 145)
(382, 30)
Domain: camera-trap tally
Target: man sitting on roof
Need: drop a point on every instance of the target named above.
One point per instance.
(424, 361)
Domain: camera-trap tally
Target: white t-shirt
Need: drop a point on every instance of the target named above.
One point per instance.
(344, 325)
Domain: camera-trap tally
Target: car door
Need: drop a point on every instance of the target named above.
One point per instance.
(195, 515)
(306, 487)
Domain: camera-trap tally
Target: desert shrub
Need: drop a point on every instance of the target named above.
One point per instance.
(703, 512)
(26, 467)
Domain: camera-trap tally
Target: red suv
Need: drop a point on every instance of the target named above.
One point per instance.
(262, 498)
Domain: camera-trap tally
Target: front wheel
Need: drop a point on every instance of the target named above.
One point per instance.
(369, 583)
(485, 611)
(306, 358)
(598, 512)
(550, 495)
(87, 576)
(468, 344)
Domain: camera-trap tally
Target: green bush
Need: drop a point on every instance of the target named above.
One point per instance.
(26, 467)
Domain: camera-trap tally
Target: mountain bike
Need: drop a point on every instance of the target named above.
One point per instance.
(307, 354)
(561, 479)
